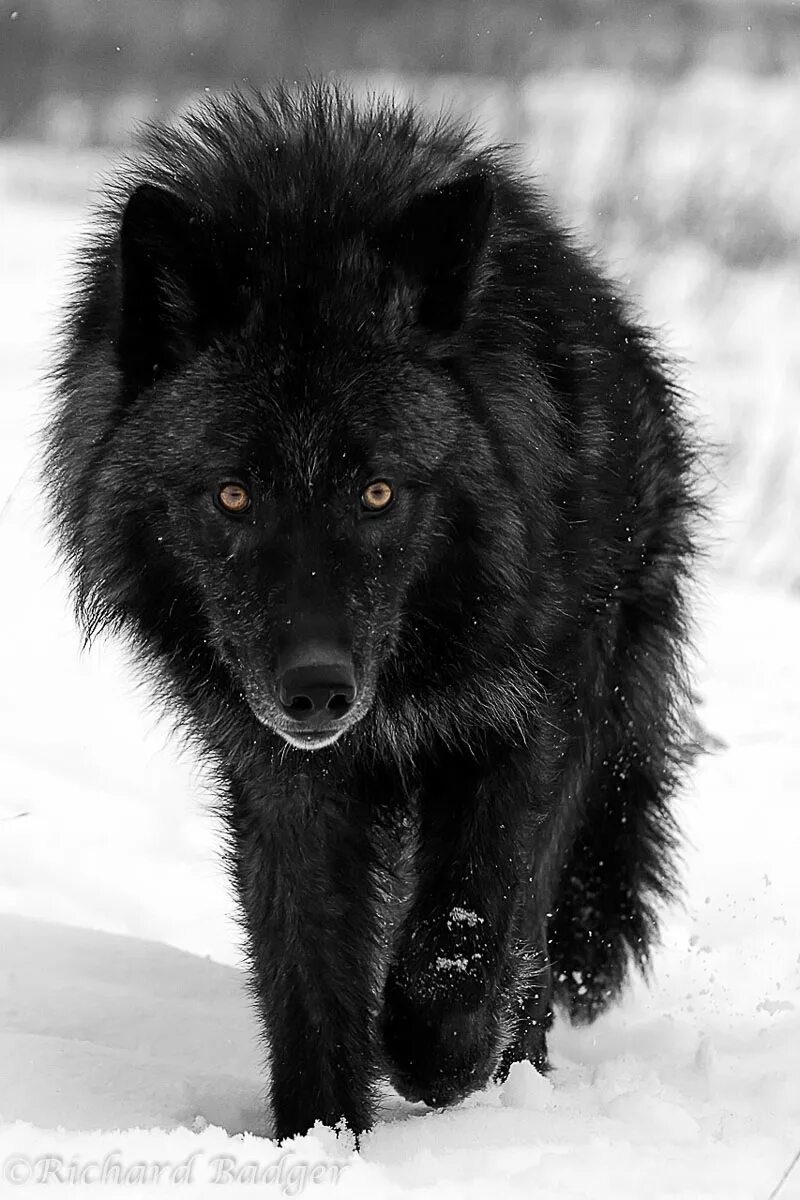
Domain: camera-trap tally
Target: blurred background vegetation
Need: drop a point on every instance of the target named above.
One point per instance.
(665, 131)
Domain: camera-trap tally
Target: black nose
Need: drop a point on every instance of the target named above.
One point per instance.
(317, 692)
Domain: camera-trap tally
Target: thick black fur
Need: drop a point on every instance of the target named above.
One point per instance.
(304, 296)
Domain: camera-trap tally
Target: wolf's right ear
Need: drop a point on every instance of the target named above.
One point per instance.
(166, 300)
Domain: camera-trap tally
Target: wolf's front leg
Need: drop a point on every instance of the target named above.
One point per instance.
(455, 973)
(306, 881)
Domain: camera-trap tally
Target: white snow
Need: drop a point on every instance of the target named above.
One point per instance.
(135, 1058)
(464, 916)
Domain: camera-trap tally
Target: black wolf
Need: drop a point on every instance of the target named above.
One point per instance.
(395, 502)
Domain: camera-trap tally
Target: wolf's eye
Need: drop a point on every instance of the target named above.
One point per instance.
(377, 496)
(233, 498)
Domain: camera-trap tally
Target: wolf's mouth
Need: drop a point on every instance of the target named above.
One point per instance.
(309, 740)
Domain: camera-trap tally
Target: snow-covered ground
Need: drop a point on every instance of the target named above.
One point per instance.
(135, 1057)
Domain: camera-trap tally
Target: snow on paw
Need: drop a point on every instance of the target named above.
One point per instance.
(447, 961)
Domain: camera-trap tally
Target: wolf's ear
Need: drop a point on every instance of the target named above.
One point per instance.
(166, 297)
(437, 241)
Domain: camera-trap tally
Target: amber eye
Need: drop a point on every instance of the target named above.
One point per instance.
(233, 498)
(377, 495)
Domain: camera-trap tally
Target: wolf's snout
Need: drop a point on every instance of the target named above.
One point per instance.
(317, 692)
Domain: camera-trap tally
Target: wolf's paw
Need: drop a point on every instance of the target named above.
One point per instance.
(434, 1054)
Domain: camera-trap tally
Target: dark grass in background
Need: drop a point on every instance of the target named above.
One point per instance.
(96, 49)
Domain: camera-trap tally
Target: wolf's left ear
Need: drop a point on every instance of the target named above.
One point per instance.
(437, 241)
(166, 295)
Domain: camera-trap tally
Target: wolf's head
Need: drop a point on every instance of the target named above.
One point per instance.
(285, 456)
